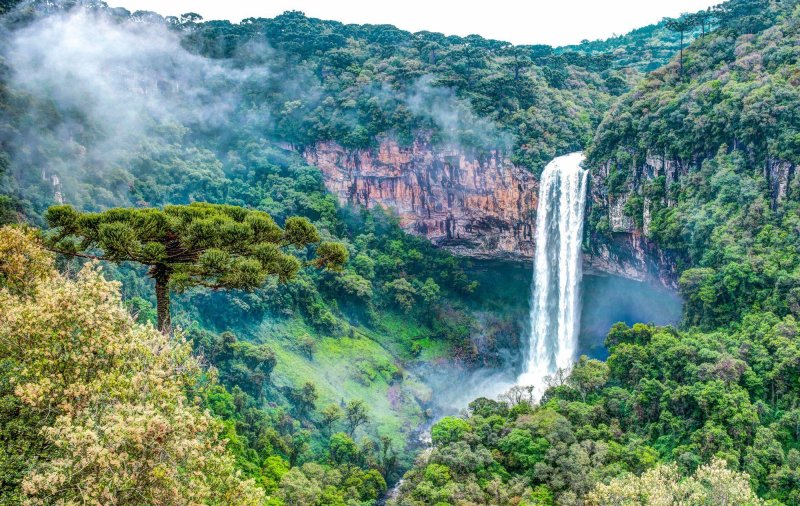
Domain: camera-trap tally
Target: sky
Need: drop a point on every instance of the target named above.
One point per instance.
(554, 22)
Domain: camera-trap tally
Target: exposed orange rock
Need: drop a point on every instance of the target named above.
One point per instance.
(474, 204)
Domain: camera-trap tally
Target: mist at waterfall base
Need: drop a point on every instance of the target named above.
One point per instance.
(606, 300)
(611, 299)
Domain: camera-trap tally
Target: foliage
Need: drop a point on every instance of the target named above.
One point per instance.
(686, 398)
(23, 263)
(304, 366)
(208, 245)
(94, 405)
(705, 164)
(378, 80)
(711, 484)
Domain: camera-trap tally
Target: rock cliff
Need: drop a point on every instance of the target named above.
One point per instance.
(482, 205)
(624, 248)
(474, 204)
(780, 175)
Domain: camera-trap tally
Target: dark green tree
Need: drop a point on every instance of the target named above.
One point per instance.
(196, 245)
(703, 19)
(343, 451)
(744, 16)
(682, 25)
(356, 415)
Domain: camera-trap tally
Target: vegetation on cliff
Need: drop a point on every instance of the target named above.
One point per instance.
(726, 203)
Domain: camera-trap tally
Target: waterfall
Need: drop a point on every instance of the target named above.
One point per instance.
(556, 305)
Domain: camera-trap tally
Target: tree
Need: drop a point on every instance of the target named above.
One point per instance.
(104, 397)
(712, 484)
(449, 430)
(356, 415)
(403, 293)
(387, 456)
(519, 394)
(430, 291)
(196, 245)
(331, 414)
(343, 451)
(189, 19)
(304, 399)
(743, 16)
(23, 263)
(588, 376)
(682, 24)
(307, 345)
(702, 18)
(522, 450)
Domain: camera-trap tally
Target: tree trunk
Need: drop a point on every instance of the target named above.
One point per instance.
(162, 299)
(681, 72)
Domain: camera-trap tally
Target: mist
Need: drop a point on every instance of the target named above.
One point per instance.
(455, 120)
(103, 95)
(115, 110)
(606, 300)
(611, 299)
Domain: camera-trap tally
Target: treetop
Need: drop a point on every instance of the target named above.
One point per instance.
(202, 244)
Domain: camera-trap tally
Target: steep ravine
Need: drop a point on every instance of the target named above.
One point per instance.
(478, 204)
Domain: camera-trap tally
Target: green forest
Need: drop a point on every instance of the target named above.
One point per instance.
(189, 316)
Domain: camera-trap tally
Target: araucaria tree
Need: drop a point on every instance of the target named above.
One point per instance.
(682, 25)
(196, 245)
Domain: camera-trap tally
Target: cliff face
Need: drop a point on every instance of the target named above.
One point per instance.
(780, 176)
(625, 249)
(482, 205)
(478, 205)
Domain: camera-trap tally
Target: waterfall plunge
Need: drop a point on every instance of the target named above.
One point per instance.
(556, 308)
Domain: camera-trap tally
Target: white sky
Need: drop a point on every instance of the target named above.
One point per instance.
(555, 22)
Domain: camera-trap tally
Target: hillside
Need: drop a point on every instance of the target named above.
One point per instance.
(702, 160)
(324, 385)
(644, 49)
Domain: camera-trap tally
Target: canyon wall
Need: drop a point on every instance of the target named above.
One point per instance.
(474, 204)
(624, 248)
(479, 204)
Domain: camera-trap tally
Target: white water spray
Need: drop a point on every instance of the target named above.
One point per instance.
(556, 308)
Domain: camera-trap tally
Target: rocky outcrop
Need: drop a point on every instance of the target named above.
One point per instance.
(630, 255)
(474, 204)
(780, 175)
(624, 249)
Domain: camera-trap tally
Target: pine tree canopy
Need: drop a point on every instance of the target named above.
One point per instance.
(200, 244)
